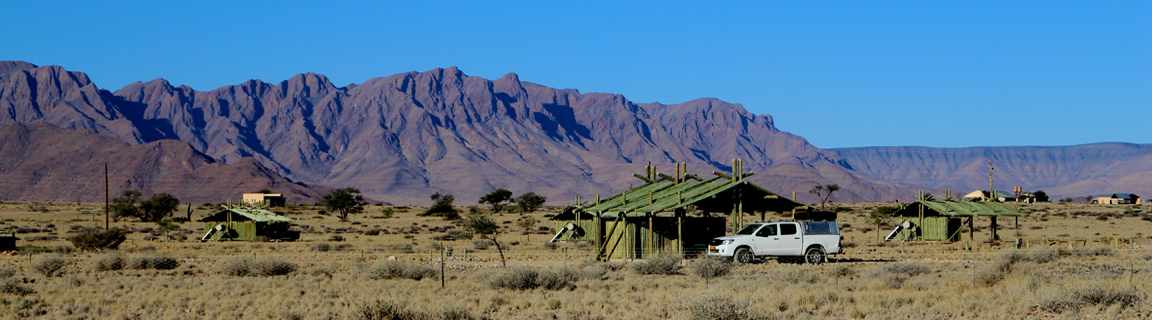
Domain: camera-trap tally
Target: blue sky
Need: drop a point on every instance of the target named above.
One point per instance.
(841, 74)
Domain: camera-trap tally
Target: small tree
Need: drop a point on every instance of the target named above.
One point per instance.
(442, 206)
(480, 224)
(344, 201)
(527, 223)
(166, 225)
(1040, 196)
(125, 205)
(497, 199)
(94, 240)
(823, 193)
(880, 216)
(529, 202)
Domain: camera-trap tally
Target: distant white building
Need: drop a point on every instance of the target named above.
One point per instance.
(264, 199)
(985, 195)
(1118, 198)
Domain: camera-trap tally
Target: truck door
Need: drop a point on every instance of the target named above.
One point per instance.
(791, 242)
(765, 236)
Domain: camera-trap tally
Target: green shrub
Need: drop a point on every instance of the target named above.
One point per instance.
(95, 240)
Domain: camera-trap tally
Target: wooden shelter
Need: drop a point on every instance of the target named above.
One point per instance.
(245, 223)
(655, 217)
(942, 220)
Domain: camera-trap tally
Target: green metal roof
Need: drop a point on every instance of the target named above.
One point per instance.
(667, 196)
(959, 209)
(244, 214)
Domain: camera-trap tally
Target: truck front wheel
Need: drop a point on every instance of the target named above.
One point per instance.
(815, 255)
(743, 255)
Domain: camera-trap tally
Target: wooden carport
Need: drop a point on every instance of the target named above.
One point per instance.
(655, 217)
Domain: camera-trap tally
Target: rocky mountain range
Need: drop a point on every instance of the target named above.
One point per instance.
(402, 137)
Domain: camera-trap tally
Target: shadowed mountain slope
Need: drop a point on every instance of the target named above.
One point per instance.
(43, 162)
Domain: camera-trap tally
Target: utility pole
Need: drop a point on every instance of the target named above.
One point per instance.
(106, 201)
(991, 189)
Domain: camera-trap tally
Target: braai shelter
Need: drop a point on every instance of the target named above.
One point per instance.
(942, 220)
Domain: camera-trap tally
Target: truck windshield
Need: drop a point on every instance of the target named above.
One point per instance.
(749, 229)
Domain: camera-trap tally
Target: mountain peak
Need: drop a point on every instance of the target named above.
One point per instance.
(10, 66)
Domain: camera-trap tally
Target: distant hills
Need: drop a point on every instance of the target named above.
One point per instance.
(402, 137)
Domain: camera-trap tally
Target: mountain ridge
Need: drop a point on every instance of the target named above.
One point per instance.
(402, 137)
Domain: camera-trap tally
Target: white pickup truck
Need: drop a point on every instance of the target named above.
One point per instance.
(790, 241)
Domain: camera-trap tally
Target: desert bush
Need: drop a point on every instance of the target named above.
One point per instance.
(336, 238)
(243, 267)
(387, 310)
(110, 263)
(1092, 294)
(95, 240)
(660, 264)
(154, 262)
(720, 308)
(322, 247)
(399, 247)
(1045, 255)
(907, 268)
(528, 279)
(708, 267)
(7, 273)
(49, 266)
(394, 270)
(481, 244)
(13, 286)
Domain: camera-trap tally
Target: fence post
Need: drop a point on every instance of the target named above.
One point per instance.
(441, 266)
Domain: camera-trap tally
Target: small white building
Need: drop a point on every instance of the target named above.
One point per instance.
(264, 199)
(985, 195)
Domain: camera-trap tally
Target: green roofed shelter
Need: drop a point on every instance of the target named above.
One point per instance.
(941, 220)
(653, 217)
(245, 223)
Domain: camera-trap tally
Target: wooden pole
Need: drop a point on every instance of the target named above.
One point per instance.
(441, 265)
(651, 244)
(106, 199)
(680, 232)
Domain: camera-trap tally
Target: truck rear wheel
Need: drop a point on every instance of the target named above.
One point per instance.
(743, 255)
(815, 255)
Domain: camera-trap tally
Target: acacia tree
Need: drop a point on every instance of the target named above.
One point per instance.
(442, 206)
(497, 199)
(529, 202)
(345, 201)
(479, 224)
(154, 209)
(823, 193)
(879, 217)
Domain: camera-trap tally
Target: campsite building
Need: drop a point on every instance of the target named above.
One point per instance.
(1117, 198)
(942, 220)
(669, 214)
(264, 199)
(246, 223)
(986, 196)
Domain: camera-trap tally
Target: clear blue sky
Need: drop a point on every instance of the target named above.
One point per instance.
(842, 74)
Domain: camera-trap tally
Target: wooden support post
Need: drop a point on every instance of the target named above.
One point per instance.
(993, 227)
(680, 232)
(598, 234)
(651, 245)
(971, 228)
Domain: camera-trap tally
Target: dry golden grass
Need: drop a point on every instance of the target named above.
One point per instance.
(341, 279)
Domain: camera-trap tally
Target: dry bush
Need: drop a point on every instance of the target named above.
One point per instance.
(322, 247)
(394, 270)
(528, 279)
(721, 308)
(12, 286)
(660, 264)
(481, 244)
(243, 267)
(708, 267)
(388, 310)
(154, 262)
(109, 263)
(1094, 293)
(1045, 255)
(49, 266)
(907, 268)
(95, 240)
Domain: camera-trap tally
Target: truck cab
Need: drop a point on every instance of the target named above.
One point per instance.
(788, 241)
